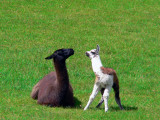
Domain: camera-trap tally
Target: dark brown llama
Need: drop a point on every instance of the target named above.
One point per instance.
(54, 89)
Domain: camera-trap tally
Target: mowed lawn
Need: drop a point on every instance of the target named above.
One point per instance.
(127, 31)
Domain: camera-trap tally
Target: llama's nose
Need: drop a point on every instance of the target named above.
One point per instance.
(72, 51)
(87, 54)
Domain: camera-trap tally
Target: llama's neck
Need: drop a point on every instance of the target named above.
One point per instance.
(61, 71)
(96, 64)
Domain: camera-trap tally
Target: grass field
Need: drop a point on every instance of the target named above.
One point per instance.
(127, 31)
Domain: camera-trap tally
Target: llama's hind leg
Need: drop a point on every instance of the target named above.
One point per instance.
(35, 90)
(102, 100)
(92, 96)
(106, 96)
(118, 101)
(100, 103)
(117, 98)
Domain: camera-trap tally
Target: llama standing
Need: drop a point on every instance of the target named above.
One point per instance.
(106, 78)
(54, 89)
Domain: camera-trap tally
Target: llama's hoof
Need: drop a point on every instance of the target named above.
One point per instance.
(106, 109)
(85, 108)
(121, 108)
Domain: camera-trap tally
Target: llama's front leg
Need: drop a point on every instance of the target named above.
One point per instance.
(106, 97)
(92, 96)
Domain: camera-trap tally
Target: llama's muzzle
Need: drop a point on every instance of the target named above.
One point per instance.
(87, 54)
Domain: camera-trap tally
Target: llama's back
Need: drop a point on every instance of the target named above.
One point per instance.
(48, 92)
(47, 89)
(51, 94)
(111, 71)
(35, 90)
(48, 79)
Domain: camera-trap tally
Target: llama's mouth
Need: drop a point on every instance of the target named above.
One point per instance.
(72, 51)
(87, 54)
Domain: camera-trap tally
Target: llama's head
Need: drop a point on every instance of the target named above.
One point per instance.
(61, 54)
(93, 53)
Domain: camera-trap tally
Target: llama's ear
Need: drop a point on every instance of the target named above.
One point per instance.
(98, 49)
(50, 57)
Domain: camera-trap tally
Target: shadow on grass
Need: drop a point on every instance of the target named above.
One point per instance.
(77, 103)
(113, 108)
(126, 108)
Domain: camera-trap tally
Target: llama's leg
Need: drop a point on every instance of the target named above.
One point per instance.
(92, 96)
(106, 96)
(101, 101)
(117, 98)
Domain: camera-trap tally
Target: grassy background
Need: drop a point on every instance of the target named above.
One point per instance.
(129, 37)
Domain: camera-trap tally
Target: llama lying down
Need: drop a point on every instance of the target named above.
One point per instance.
(54, 89)
(106, 78)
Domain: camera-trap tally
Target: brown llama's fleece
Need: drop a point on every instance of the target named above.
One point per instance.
(54, 89)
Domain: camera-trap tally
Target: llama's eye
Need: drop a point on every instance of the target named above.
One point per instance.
(93, 52)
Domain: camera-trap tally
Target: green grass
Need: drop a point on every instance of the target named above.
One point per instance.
(129, 37)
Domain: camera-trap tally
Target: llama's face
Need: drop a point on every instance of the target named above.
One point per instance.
(93, 53)
(64, 53)
(61, 54)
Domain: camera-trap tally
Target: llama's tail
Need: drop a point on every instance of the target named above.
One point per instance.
(116, 91)
(35, 90)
